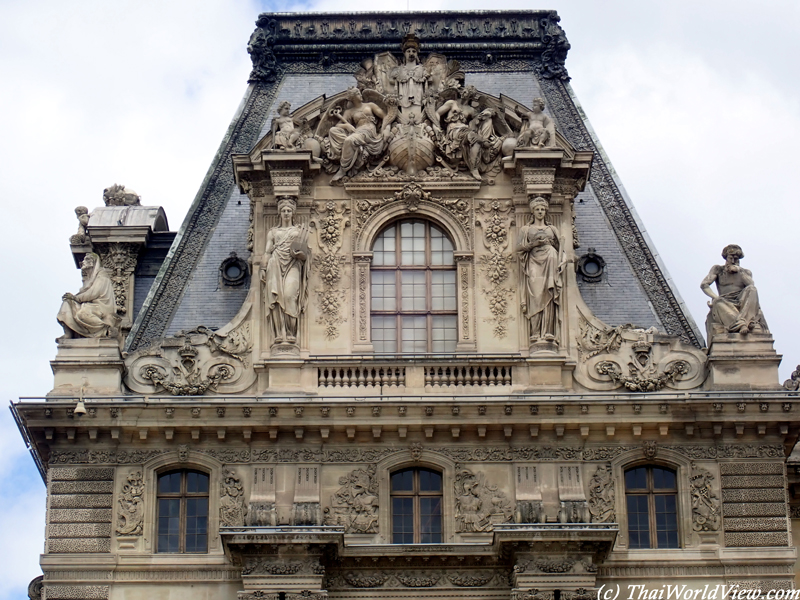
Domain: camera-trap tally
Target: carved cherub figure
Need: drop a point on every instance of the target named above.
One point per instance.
(284, 132)
(82, 213)
(537, 128)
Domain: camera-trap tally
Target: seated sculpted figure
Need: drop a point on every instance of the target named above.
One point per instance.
(92, 312)
(356, 136)
(735, 308)
(537, 128)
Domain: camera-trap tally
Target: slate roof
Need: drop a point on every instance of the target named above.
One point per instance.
(300, 56)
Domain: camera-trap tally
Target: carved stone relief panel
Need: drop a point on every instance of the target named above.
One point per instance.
(602, 495)
(119, 260)
(261, 510)
(130, 506)
(306, 509)
(529, 494)
(706, 507)
(355, 505)
(232, 508)
(479, 505)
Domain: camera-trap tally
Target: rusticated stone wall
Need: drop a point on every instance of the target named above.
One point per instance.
(754, 504)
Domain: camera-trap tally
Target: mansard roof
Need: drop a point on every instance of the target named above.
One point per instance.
(299, 57)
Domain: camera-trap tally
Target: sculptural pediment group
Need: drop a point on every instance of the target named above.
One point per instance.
(410, 118)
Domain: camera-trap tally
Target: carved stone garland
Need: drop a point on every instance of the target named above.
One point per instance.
(643, 375)
(330, 220)
(131, 506)
(479, 506)
(355, 505)
(602, 495)
(232, 509)
(705, 503)
(494, 219)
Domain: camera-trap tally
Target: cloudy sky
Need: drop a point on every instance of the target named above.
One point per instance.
(696, 103)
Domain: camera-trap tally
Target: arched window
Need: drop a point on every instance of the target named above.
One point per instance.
(651, 496)
(414, 289)
(416, 506)
(182, 512)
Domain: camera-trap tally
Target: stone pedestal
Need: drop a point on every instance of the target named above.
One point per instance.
(94, 364)
(743, 362)
(547, 369)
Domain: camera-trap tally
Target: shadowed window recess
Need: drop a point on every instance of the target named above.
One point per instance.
(651, 499)
(416, 506)
(182, 512)
(413, 274)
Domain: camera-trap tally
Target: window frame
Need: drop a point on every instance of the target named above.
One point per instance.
(399, 268)
(416, 494)
(183, 496)
(650, 492)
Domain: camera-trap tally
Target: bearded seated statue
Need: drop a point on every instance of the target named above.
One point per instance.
(92, 312)
(735, 309)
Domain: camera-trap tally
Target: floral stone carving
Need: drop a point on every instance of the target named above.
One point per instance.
(130, 514)
(330, 221)
(706, 508)
(493, 217)
(120, 261)
(355, 505)
(479, 506)
(232, 508)
(602, 496)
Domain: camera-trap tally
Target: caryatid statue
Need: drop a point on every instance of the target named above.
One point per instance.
(540, 274)
(92, 312)
(735, 308)
(286, 273)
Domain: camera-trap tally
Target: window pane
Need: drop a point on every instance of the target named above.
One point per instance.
(196, 483)
(384, 248)
(415, 334)
(666, 521)
(413, 290)
(412, 243)
(169, 483)
(638, 521)
(430, 520)
(441, 248)
(663, 479)
(443, 290)
(384, 290)
(384, 333)
(636, 479)
(196, 524)
(429, 481)
(169, 524)
(403, 481)
(444, 333)
(402, 520)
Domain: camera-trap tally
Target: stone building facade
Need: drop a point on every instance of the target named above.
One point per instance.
(411, 340)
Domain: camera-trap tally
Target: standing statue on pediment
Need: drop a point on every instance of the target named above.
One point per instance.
(285, 276)
(92, 312)
(410, 79)
(537, 129)
(540, 268)
(735, 308)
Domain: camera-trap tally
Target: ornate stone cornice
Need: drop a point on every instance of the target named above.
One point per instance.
(332, 39)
